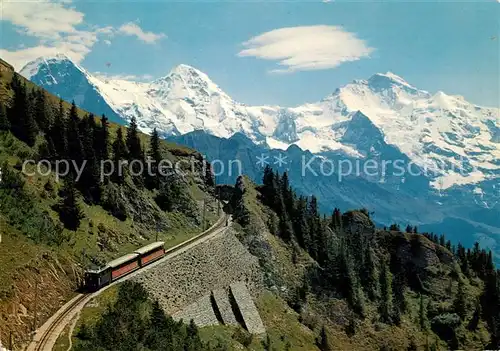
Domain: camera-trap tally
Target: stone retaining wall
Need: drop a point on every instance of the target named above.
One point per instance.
(247, 309)
(224, 307)
(211, 265)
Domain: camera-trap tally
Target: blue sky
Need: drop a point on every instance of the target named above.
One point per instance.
(448, 46)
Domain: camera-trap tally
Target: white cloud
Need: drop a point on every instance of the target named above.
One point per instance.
(59, 29)
(129, 77)
(19, 58)
(307, 48)
(133, 29)
(41, 19)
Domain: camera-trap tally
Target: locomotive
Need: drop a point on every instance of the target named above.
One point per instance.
(118, 268)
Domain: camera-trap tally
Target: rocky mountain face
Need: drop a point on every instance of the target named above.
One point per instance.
(435, 156)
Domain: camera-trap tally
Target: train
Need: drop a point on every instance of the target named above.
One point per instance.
(95, 279)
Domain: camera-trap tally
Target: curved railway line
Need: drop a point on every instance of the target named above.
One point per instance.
(43, 343)
(47, 335)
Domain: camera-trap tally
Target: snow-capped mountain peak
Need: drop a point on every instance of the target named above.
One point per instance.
(439, 128)
(185, 82)
(32, 68)
(388, 79)
(188, 72)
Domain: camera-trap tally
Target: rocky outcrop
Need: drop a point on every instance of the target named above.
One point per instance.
(418, 251)
(358, 222)
(425, 264)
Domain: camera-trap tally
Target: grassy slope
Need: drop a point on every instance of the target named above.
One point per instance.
(20, 257)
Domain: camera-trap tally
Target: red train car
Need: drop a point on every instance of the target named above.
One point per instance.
(123, 265)
(114, 270)
(151, 253)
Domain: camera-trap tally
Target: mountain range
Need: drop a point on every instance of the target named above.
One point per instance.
(457, 140)
(453, 145)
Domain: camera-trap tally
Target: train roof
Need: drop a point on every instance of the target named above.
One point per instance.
(96, 270)
(150, 247)
(122, 260)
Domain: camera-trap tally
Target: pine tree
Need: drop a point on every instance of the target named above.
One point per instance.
(490, 305)
(349, 282)
(269, 186)
(154, 153)
(336, 220)
(385, 304)
(314, 226)
(422, 314)
(135, 153)
(58, 132)
(89, 182)
(399, 300)
(101, 140)
(4, 120)
(395, 227)
(154, 148)
(193, 341)
(399, 284)
(20, 114)
(119, 153)
(69, 210)
(285, 225)
(300, 224)
(476, 317)
(46, 149)
(369, 274)
(442, 240)
(322, 340)
(75, 147)
(160, 335)
(29, 123)
(460, 303)
(42, 114)
(288, 195)
(133, 142)
(324, 239)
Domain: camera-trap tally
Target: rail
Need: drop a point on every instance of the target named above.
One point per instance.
(41, 345)
(51, 331)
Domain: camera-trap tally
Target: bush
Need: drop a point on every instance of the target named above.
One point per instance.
(174, 196)
(21, 212)
(134, 322)
(444, 325)
(243, 337)
(113, 203)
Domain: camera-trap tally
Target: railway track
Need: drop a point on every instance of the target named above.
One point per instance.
(47, 335)
(43, 343)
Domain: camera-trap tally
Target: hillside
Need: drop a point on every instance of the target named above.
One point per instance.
(51, 229)
(358, 287)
